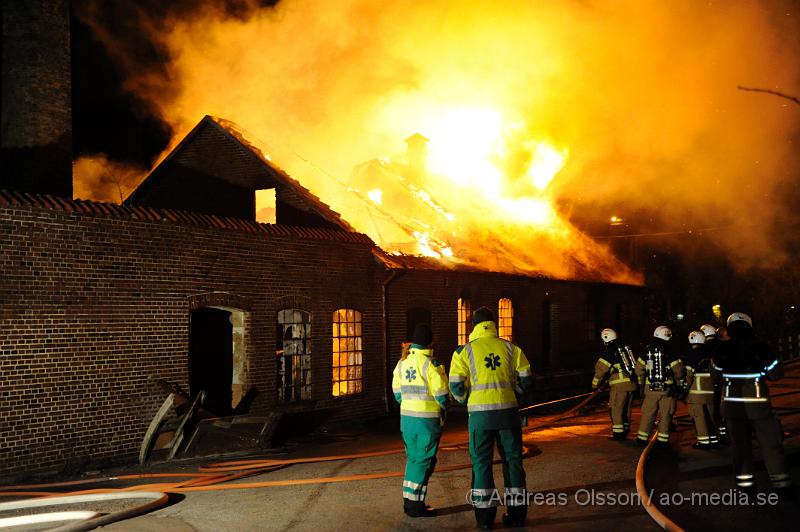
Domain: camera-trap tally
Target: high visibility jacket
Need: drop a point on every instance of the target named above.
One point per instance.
(609, 364)
(699, 381)
(419, 384)
(744, 368)
(486, 371)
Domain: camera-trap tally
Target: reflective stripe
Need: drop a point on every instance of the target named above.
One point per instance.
(471, 356)
(424, 373)
(413, 389)
(414, 413)
(744, 477)
(457, 378)
(604, 361)
(496, 406)
(620, 379)
(747, 399)
(440, 393)
(510, 353)
(771, 365)
(459, 397)
(700, 392)
(514, 491)
(663, 437)
(742, 375)
(524, 373)
(409, 484)
(744, 484)
(417, 397)
(396, 389)
(492, 386)
(413, 496)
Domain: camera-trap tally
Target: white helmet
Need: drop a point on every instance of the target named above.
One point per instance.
(663, 332)
(608, 335)
(739, 316)
(697, 337)
(708, 330)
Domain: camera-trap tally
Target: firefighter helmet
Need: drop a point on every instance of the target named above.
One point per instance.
(708, 330)
(697, 337)
(739, 316)
(608, 335)
(663, 332)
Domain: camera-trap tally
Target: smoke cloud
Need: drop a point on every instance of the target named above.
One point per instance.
(641, 95)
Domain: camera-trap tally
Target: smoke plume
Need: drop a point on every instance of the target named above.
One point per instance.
(642, 96)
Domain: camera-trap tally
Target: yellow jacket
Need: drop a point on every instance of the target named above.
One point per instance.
(419, 384)
(486, 371)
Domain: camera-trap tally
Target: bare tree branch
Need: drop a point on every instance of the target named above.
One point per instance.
(768, 91)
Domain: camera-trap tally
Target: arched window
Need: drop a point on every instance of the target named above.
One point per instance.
(505, 319)
(293, 364)
(347, 352)
(464, 320)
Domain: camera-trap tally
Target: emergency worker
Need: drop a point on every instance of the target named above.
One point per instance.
(419, 384)
(486, 373)
(617, 365)
(700, 391)
(659, 371)
(745, 365)
(713, 340)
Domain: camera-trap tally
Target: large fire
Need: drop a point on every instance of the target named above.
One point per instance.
(511, 110)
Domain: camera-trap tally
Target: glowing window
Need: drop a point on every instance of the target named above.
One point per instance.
(347, 352)
(464, 320)
(293, 364)
(505, 318)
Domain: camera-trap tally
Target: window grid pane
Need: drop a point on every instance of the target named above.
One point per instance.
(347, 376)
(293, 364)
(505, 319)
(464, 320)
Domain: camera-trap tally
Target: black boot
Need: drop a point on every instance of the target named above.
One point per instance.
(417, 509)
(516, 516)
(484, 517)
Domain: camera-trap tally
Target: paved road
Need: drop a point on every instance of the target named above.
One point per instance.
(581, 481)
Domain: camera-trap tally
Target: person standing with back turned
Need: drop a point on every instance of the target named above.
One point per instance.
(419, 384)
(486, 373)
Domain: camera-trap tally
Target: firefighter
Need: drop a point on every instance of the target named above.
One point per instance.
(713, 339)
(419, 384)
(700, 392)
(659, 371)
(745, 365)
(617, 364)
(484, 374)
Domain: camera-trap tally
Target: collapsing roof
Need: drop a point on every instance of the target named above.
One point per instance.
(217, 168)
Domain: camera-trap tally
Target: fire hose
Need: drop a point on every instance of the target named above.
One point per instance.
(212, 477)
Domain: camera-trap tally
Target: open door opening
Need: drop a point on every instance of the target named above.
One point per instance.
(211, 358)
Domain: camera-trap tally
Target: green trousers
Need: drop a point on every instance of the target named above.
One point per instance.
(481, 451)
(421, 446)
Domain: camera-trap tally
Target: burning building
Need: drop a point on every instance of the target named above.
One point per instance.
(100, 302)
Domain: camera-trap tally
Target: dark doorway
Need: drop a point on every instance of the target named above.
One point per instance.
(414, 316)
(211, 358)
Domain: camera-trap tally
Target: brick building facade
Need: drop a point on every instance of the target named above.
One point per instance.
(99, 302)
(95, 303)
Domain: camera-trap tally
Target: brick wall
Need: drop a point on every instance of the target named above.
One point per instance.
(584, 309)
(93, 308)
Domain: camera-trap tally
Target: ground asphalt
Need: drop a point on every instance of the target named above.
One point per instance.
(577, 480)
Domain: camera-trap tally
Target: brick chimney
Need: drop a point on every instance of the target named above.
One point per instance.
(417, 153)
(37, 97)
